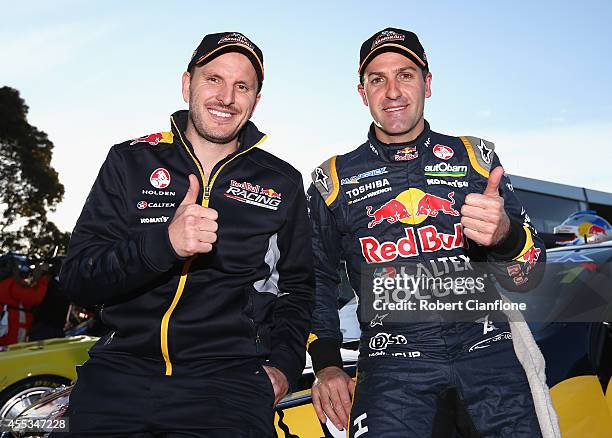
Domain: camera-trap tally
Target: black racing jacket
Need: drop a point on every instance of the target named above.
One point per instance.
(251, 297)
(381, 204)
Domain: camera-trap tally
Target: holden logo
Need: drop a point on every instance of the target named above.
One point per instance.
(160, 178)
(142, 205)
(443, 152)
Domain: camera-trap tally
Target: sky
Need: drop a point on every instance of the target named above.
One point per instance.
(533, 77)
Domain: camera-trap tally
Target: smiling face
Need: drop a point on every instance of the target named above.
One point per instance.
(395, 91)
(222, 95)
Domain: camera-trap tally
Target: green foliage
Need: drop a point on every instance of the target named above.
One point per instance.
(29, 186)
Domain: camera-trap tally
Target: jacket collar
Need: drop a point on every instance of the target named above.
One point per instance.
(248, 136)
(399, 152)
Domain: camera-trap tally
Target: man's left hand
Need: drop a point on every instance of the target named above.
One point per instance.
(483, 216)
(279, 383)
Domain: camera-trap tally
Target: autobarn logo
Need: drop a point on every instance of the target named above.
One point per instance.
(160, 178)
(144, 204)
(387, 36)
(412, 206)
(429, 240)
(443, 152)
(406, 154)
(445, 169)
(254, 194)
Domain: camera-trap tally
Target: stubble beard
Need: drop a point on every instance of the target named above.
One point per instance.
(210, 134)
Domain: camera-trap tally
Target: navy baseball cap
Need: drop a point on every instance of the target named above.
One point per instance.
(392, 40)
(216, 44)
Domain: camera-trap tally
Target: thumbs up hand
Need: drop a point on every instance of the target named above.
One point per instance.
(483, 216)
(193, 228)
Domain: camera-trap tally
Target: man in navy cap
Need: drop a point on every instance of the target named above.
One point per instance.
(196, 243)
(438, 204)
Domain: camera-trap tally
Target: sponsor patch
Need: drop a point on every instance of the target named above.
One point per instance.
(321, 178)
(237, 38)
(429, 239)
(254, 194)
(387, 36)
(412, 206)
(442, 182)
(144, 204)
(154, 220)
(382, 340)
(445, 169)
(378, 320)
(368, 190)
(157, 192)
(485, 152)
(443, 152)
(406, 154)
(356, 178)
(487, 326)
(487, 342)
(154, 139)
(160, 178)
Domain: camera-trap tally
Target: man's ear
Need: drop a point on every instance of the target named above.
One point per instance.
(186, 80)
(362, 93)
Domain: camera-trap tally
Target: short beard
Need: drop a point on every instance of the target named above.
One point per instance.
(210, 135)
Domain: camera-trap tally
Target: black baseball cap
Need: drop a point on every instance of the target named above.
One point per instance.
(392, 40)
(216, 44)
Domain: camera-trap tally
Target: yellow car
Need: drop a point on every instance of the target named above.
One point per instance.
(31, 369)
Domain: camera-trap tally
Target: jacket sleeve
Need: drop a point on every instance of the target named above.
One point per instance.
(293, 306)
(518, 263)
(106, 261)
(325, 339)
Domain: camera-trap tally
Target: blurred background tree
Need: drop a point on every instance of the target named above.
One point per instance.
(29, 186)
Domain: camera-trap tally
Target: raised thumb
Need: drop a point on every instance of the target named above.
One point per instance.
(493, 182)
(191, 197)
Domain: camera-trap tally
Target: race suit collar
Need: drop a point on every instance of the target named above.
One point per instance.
(399, 152)
(249, 134)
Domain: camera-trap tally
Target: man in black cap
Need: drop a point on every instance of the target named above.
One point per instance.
(196, 243)
(412, 195)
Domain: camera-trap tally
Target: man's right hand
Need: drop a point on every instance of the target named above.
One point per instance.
(332, 394)
(193, 228)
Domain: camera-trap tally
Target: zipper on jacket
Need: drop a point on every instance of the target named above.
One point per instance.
(185, 271)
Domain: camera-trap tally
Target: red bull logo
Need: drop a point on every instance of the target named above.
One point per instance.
(271, 193)
(412, 206)
(429, 240)
(406, 154)
(154, 139)
(391, 211)
(431, 205)
(160, 178)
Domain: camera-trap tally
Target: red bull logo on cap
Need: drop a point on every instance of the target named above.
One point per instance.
(160, 178)
(412, 206)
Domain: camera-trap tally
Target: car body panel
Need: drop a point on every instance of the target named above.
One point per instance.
(51, 357)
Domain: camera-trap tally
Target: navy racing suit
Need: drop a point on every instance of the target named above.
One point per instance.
(383, 204)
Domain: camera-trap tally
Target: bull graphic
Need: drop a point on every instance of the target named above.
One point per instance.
(431, 205)
(391, 211)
